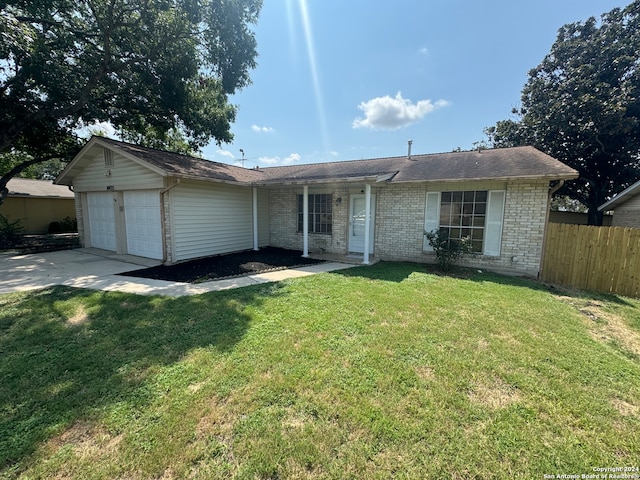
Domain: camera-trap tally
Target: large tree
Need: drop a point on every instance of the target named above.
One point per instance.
(146, 66)
(582, 106)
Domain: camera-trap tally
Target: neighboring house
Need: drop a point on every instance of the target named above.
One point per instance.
(162, 205)
(37, 203)
(625, 206)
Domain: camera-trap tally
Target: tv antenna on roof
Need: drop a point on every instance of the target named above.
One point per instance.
(242, 152)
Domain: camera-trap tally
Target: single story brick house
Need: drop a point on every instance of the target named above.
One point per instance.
(162, 205)
(625, 206)
(37, 203)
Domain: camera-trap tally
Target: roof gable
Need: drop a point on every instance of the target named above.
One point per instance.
(167, 164)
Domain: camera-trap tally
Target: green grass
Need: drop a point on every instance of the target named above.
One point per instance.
(373, 372)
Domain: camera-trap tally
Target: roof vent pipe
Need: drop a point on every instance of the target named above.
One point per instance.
(409, 142)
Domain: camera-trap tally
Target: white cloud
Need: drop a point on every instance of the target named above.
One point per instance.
(423, 51)
(225, 153)
(259, 129)
(104, 129)
(389, 113)
(293, 158)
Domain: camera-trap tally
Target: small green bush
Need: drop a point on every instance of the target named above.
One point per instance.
(10, 232)
(66, 225)
(448, 250)
(69, 225)
(54, 227)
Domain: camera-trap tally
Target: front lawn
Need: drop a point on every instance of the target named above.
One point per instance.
(373, 372)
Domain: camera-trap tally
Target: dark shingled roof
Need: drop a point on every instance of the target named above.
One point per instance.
(491, 164)
(185, 166)
(26, 187)
(494, 164)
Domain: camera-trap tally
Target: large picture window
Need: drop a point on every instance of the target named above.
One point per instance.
(463, 215)
(320, 216)
(476, 214)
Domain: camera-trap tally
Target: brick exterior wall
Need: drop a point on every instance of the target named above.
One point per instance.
(399, 227)
(400, 223)
(283, 221)
(80, 218)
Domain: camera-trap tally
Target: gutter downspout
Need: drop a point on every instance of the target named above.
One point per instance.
(163, 218)
(552, 190)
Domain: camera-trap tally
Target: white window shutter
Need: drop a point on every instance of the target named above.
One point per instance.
(431, 217)
(493, 228)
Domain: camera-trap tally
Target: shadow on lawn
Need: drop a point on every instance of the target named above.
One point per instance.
(67, 353)
(399, 272)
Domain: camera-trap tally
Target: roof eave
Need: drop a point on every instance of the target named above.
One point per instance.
(316, 181)
(507, 178)
(31, 195)
(209, 179)
(620, 198)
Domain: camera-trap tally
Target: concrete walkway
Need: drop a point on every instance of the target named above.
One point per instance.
(88, 268)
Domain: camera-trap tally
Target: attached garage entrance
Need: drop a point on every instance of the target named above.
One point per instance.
(102, 226)
(143, 223)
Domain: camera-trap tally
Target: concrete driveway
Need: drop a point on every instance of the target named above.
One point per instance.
(97, 269)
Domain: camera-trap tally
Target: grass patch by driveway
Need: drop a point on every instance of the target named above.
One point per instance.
(373, 372)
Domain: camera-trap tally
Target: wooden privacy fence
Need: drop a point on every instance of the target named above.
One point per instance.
(605, 259)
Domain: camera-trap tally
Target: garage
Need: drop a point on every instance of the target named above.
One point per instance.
(143, 223)
(102, 227)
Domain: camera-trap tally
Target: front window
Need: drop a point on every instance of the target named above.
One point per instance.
(463, 214)
(320, 216)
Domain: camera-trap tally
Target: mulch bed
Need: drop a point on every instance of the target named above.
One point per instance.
(225, 266)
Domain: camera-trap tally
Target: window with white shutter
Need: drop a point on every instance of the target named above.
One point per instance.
(493, 232)
(431, 217)
(476, 215)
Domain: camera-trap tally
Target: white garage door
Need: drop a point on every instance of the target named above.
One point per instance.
(102, 227)
(142, 218)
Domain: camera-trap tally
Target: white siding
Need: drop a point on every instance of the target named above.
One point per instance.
(211, 219)
(125, 174)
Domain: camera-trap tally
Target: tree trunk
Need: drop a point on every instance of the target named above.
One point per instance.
(595, 217)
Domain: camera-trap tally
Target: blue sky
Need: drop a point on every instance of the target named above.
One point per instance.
(351, 79)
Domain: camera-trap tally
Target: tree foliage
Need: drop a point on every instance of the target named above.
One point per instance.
(581, 105)
(147, 67)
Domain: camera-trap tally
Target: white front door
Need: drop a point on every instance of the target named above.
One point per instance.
(102, 224)
(356, 223)
(143, 224)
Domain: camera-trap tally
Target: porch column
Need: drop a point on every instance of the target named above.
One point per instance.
(367, 222)
(305, 221)
(255, 219)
